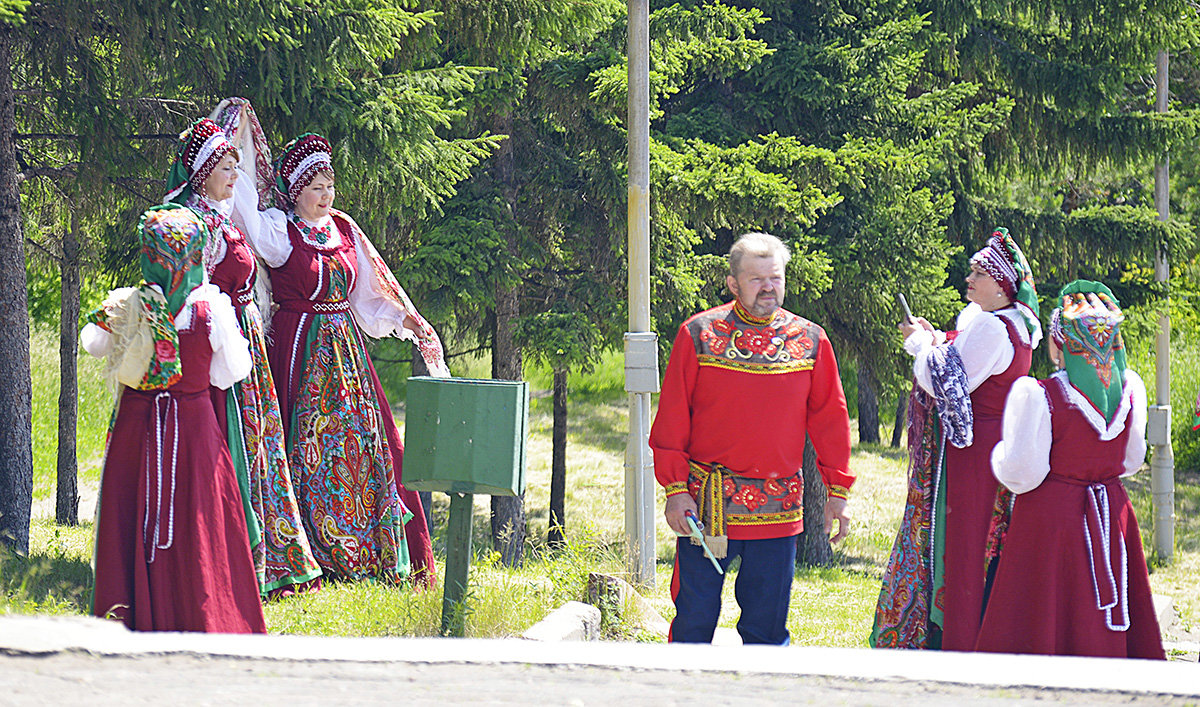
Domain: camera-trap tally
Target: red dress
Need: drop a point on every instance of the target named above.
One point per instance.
(1045, 599)
(279, 544)
(172, 552)
(970, 497)
(346, 475)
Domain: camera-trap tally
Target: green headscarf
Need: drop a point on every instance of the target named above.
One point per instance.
(172, 242)
(1087, 325)
(141, 319)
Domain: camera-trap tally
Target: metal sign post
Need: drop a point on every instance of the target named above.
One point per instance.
(641, 359)
(1162, 465)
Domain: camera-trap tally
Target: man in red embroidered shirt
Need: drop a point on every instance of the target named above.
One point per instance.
(745, 382)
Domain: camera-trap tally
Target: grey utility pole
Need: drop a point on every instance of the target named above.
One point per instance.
(1162, 465)
(641, 347)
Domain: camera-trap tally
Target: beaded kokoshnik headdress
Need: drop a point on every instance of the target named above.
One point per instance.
(201, 148)
(299, 161)
(1003, 260)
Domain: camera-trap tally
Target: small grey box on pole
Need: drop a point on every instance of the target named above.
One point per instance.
(639, 465)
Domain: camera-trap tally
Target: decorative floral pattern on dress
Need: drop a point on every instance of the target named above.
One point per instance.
(341, 461)
(902, 613)
(725, 338)
(316, 236)
(284, 557)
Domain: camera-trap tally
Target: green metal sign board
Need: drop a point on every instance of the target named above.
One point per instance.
(466, 436)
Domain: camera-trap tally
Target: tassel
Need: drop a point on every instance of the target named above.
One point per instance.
(719, 544)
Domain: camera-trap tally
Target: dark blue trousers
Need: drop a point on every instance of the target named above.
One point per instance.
(763, 588)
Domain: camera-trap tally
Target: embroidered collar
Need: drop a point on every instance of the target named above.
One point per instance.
(1107, 430)
(749, 318)
(323, 235)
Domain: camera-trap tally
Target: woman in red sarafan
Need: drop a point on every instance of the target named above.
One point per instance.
(333, 290)
(1072, 578)
(172, 552)
(202, 179)
(934, 588)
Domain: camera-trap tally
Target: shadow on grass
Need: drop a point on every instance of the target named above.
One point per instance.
(594, 417)
(45, 583)
(883, 450)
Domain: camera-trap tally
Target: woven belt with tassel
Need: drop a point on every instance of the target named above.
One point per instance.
(710, 505)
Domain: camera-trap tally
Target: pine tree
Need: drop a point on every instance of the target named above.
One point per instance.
(102, 90)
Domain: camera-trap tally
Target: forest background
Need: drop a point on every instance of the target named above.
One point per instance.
(481, 144)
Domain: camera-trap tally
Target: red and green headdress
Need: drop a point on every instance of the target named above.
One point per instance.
(1087, 326)
(172, 241)
(142, 319)
(201, 147)
(299, 162)
(1003, 260)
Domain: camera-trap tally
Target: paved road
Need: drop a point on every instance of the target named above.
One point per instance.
(46, 661)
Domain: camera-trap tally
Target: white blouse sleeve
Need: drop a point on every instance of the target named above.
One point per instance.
(1021, 459)
(1135, 448)
(983, 345)
(265, 230)
(377, 314)
(231, 360)
(96, 341)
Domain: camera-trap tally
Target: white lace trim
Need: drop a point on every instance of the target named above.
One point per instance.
(1076, 399)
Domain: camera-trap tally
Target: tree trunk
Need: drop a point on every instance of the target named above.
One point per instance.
(508, 512)
(420, 369)
(901, 418)
(66, 511)
(558, 465)
(868, 406)
(16, 396)
(812, 545)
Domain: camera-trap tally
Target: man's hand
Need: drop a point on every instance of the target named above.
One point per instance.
(676, 511)
(835, 508)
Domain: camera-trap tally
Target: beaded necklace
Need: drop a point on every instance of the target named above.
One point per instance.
(318, 236)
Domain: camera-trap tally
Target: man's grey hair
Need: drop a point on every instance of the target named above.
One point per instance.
(757, 245)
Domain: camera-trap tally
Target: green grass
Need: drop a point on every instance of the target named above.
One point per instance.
(95, 408)
(830, 606)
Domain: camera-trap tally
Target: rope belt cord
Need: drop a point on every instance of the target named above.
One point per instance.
(710, 505)
(244, 297)
(711, 499)
(164, 405)
(1098, 536)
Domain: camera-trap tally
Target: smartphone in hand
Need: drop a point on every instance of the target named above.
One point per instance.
(908, 315)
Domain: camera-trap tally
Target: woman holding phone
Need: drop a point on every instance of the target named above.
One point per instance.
(934, 589)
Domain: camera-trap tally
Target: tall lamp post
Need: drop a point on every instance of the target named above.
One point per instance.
(1162, 465)
(641, 347)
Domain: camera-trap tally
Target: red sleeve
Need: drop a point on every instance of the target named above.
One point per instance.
(671, 432)
(829, 423)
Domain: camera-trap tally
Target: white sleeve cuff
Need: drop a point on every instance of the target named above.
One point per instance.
(96, 341)
(231, 360)
(918, 340)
